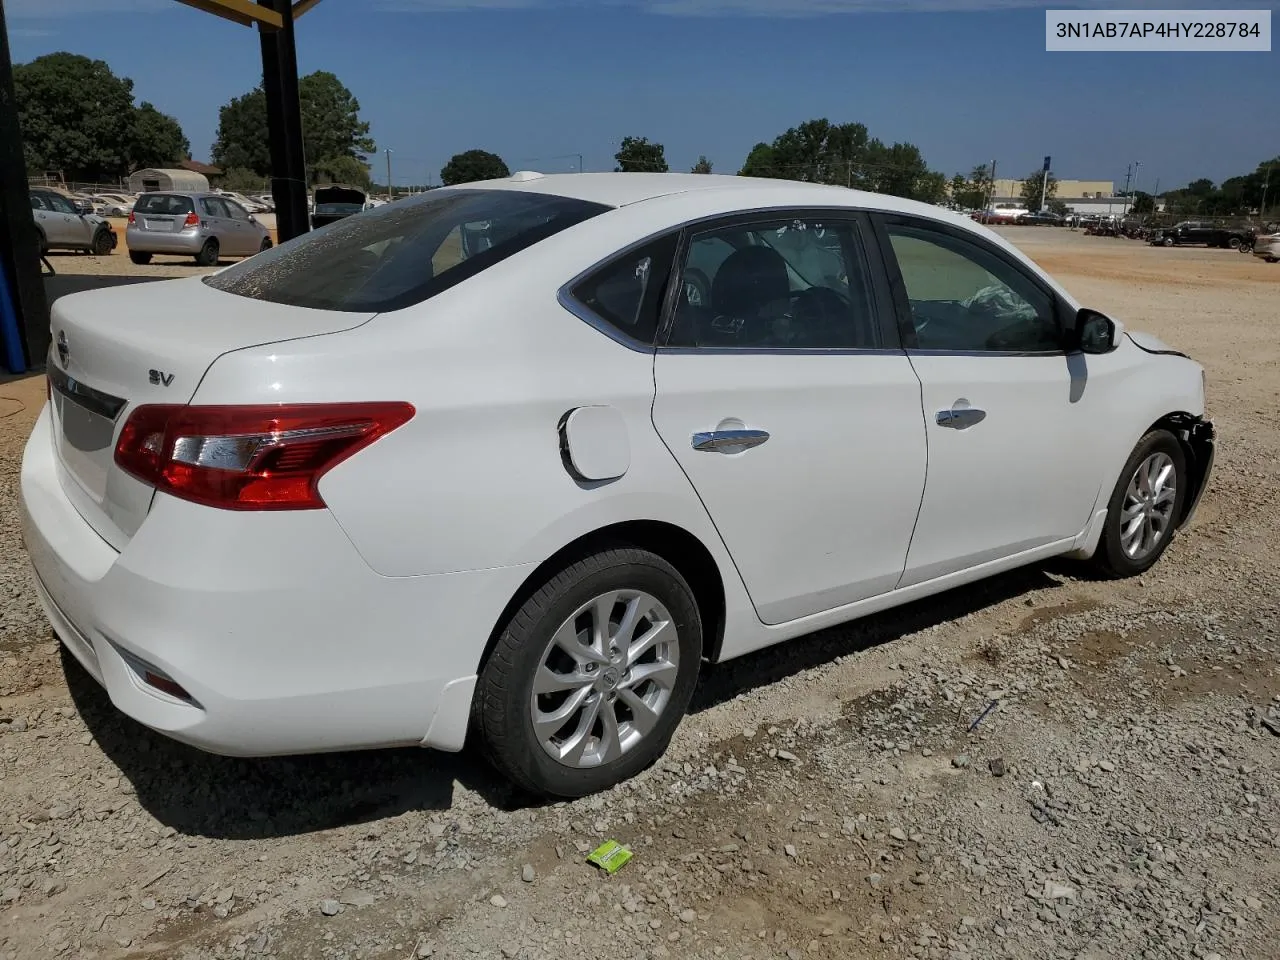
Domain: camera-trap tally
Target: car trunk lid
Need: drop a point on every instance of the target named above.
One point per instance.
(162, 212)
(115, 349)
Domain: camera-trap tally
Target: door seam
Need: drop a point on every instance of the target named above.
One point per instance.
(924, 487)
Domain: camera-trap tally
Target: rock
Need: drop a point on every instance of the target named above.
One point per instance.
(688, 916)
(357, 898)
(1107, 765)
(499, 901)
(148, 903)
(997, 766)
(960, 762)
(1058, 891)
(18, 725)
(898, 834)
(790, 851)
(788, 756)
(527, 873)
(330, 908)
(510, 950)
(425, 949)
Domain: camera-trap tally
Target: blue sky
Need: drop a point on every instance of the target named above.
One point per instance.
(532, 80)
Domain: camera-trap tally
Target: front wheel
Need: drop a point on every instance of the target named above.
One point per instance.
(1234, 243)
(103, 243)
(266, 244)
(591, 675)
(1168, 241)
(208, 255)
(1145, 506)
(141, 259)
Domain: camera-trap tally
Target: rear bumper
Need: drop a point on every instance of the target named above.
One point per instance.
(284, 637)
(147, 241)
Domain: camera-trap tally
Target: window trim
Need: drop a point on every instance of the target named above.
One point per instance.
(1062, 314)
(883, 313)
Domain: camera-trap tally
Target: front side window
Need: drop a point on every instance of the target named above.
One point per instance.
(38, 202)
(798, 283)
(396, 255)
(628, 292)
(966, 298)
(59, 203)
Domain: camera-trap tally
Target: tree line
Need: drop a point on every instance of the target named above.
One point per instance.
(106, 136)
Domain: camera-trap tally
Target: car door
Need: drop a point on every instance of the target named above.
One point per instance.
(782, 392)
(218, 224)
(246, 238)
(1007, 411)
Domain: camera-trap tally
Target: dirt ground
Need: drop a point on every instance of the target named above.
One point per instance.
(853, 794)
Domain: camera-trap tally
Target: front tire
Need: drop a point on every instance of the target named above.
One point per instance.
(591, 675)
(103, 244)
(208, 255)
(266, 245)
(141, 259)
(1145, 507)
(1168, 241)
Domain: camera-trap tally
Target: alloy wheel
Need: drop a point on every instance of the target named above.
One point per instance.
(1147, 513)
(605, 678)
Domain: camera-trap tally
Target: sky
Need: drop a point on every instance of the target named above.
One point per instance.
(540, 81)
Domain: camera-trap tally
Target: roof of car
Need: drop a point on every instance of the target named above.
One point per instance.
(621, 189)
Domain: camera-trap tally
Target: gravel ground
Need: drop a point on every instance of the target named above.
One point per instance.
(1039, 766)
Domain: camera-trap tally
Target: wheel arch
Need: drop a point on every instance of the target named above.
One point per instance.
(677, 546)
(1196, 437)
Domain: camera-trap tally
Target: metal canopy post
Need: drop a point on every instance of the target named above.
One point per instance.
(24, 311)
(284, 123)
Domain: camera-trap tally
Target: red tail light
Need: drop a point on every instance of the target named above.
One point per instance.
(131, 217)
(192, 220)
(267, 457)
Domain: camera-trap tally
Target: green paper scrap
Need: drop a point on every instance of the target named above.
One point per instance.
(610, 856)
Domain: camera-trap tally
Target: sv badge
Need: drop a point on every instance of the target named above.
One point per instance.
(159, 377)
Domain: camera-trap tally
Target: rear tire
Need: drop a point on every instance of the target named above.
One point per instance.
(141, 259)
(1145, 507)
(607, 710)
(208, 255)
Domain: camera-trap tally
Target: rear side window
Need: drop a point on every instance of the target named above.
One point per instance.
(628, 292)
(163, 203)
(402, 253)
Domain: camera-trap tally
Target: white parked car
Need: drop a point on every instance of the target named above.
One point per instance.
(626, 424)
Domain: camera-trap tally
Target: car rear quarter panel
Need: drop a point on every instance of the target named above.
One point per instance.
(476, 478)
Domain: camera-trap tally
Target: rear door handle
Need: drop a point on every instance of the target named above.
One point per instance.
(961, 418)
(728, 441)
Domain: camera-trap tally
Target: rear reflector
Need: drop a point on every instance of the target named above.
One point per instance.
(165, 685)
(250, 457)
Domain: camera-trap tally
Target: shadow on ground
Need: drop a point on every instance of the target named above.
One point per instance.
(200, 794)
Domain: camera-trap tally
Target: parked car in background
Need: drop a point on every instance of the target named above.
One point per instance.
(372, 489)
(1266, 246)
(1041, 218)
(336, 201)
(115, 204)
(84, 203)
(1200, 232)
(64, 227)
(266, 201)
(206, 226)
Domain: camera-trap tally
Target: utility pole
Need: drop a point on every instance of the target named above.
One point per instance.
(390, 192)
(1262, 210)
(991, 193)
(1044, 182)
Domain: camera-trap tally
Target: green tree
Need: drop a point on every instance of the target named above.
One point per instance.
(702, 166)
(638, 155)
(473, 165)
(1143, 203)
(243, 180)
(79, 118)
(759, 162)
(331, 127)
(957, 187)
(1058, 206)
(242, 134)
(1034, 184)
(349, 170)
(157, 139)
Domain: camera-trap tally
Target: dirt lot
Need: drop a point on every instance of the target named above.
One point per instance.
(828, 799)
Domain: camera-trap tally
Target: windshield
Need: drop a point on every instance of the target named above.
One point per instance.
(339, 207)
(400, 254)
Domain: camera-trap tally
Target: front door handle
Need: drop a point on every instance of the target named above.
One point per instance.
(961, 418)
(728, 441)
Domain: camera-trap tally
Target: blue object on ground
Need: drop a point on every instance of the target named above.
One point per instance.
(15, 360)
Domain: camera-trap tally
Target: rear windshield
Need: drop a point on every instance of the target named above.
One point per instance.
(402, 253)
(163, 203)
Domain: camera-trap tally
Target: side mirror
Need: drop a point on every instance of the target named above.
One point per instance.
(1095, 332)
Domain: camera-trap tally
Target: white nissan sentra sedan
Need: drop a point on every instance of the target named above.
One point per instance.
(514, 459)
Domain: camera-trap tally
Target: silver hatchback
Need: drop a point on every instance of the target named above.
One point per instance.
(201, 225)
